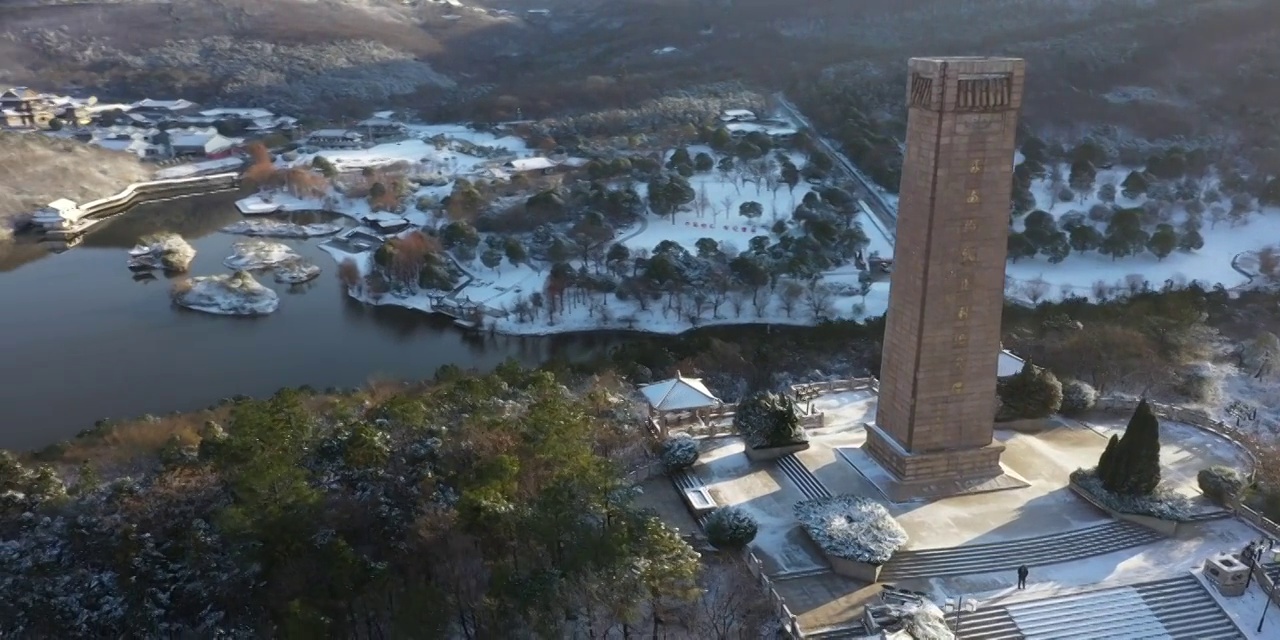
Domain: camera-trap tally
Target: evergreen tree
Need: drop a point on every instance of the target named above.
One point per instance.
(1131, 465)
(1145, 461)
(1108, 459)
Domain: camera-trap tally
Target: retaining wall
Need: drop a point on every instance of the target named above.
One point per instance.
(151, 190)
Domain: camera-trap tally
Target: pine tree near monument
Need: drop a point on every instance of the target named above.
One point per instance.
(1130, 465)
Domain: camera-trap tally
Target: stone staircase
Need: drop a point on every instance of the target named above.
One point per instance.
(854, 631)
(684, 480)
(1008, 555)
(803, 478)
(1176, 608)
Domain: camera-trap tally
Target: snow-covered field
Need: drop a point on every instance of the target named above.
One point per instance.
(454, 151)
(1077, 274)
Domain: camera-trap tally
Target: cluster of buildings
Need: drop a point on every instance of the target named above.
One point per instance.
(380, 128)
(150, 129)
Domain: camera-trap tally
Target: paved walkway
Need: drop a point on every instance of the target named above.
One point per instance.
(1177, 608)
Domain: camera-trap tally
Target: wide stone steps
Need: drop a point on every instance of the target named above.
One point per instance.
(1177, 608)
(803, 478)
(1007, 556)
(844, 632)
(1273, 570)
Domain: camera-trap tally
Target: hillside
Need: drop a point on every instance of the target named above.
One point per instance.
(36, 170)
(1155, 68)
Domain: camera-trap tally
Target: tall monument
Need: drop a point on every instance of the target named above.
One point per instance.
(933, 430)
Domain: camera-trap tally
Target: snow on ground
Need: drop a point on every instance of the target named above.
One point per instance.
(1079, 272)
(167, 251)
(296, 272)
(259, 254)
(440, 149)
(1247, 610)
(731, 480)
(500, 288)
(195, 168)
(1184, 451)
(1167, 558)
(236, 294)
(281, 229)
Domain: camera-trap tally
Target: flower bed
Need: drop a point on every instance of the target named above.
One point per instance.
(1160, 511)
(851, 528)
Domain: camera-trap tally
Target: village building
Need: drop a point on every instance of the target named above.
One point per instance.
(336, 139)
(378, 129)
(737, 115)
(526, 165)
(201, 145)
(21, 107)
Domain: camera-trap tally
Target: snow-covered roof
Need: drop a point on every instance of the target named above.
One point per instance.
(1008, 364)
(171, 105)
(531, 164)
(739, 113)
(378, 122)
(383, 114)
(63, 204)
(248, 114)
(190, 140)
(335, 133)
(679, 394)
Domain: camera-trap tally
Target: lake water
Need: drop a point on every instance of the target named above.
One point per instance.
(81, 339)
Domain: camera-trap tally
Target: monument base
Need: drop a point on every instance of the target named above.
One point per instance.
(903, 476)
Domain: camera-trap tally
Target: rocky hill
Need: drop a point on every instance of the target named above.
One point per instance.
(36, 169)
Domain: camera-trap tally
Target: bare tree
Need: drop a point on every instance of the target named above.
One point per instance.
(1036, 290)
(818, 298)
(731, 606)
(1135, 283)
(726, 205)
(1102, 290)
(737, 300)
(1217, 213)
(702, 202)
(791, 293)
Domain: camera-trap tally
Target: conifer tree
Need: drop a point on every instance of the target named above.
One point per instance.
(1131, 465)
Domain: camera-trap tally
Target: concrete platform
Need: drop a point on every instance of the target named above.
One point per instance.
(897, 491)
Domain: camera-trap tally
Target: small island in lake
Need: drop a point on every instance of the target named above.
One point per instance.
(237, 294)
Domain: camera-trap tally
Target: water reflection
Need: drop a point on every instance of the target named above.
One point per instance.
(84, 337)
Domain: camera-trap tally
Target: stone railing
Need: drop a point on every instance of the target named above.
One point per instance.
(1256, 520)
(790, 625)
(1197, 418)
(807, 391)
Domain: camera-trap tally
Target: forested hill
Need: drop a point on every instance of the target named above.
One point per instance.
(469, 508)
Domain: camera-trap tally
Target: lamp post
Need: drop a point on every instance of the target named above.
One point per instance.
(1266, 604)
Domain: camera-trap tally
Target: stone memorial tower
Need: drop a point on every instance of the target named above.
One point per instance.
(934, 424)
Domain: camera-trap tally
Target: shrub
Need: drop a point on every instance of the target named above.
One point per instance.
(730, 528)
(1161, 503)
(679, 452)
(769, 420)
(1220, 484)
(1200, 383)
(1077, 398)
(852, 527)
(1033, 392)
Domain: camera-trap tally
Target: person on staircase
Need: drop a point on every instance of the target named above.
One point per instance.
(1023, 572)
